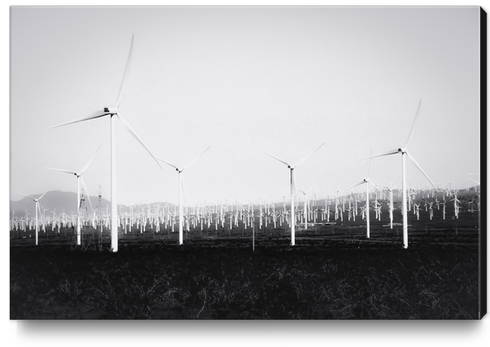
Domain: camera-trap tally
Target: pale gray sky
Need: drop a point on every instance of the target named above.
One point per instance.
(241, 80)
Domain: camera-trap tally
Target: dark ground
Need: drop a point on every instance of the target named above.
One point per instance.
(333, 272)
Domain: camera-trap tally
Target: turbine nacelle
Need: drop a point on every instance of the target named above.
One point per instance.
(111, 110)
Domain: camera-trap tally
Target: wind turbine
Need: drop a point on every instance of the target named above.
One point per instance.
(367, 182)
(306, 203)
(181, 186)
(404, 153)
(113, 112)
(36, 201)
(79, 180)
(292, 186)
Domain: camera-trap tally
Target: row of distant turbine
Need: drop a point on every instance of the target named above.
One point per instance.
(266, 214)
(114, 113)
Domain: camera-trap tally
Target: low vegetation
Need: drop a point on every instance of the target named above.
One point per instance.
(225, 279)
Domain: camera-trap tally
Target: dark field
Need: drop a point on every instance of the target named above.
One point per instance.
(333, 272)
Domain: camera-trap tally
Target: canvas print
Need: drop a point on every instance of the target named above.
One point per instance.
(247, 162)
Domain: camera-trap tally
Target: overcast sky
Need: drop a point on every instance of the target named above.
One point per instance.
(243, 80)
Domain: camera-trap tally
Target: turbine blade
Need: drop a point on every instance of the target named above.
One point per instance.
(370, 162)
(413, 125)
(97, 115)
(355, 185)
(86, 191)
(27, 195)
(66, 171)
(375, 186)
(474, 180)
(41, 196)
(88, 163)
(133, 132)
(418, 166)
(304, 159)
(394, 151)
(282, 161)
(193, 160)
(166, 162)
(122, 89)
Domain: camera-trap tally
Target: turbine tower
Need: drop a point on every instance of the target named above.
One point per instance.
(79, 180)
(181, 186)
(292, 186)
(404, 153)
(113, 113)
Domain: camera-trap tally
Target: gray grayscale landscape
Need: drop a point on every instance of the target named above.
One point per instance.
(277, 163)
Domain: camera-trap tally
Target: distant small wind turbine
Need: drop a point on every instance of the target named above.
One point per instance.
(305, 206)
(292, 186)
(404, 153)
(36, 201)
(79, 180)
(367, 182)
(181, 214)
(113, 113)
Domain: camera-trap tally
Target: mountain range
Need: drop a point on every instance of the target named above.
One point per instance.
(66, 202)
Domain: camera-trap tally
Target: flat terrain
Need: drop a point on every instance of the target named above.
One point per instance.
(333, 272)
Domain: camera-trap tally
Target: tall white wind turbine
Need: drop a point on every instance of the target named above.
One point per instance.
(292, 187)
(79, 181)
(36, 201)
(113, 112)
(404, 153)
(181, 186)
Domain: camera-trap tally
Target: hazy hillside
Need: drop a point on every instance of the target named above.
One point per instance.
(63, 202)
(66, 202)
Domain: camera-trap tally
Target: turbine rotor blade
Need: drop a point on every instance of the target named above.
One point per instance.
(375, 186)
(135, 135)
(41, 196)
(88, 163)
(413, 125)
(394, 151)
(193, 160)
(170, 164)
(355, 185)
(97, 115)
(282, 161)
(370, 162)
(122, 89)
(65, 171)
(474, 180)
(420, 168)
(304, 159)
(27, 195)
